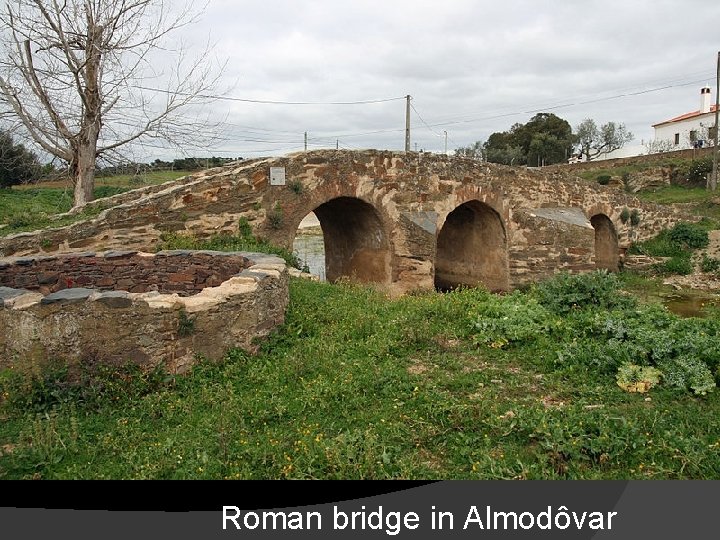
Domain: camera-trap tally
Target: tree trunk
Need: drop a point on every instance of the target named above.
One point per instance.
(84, 174)
(92, 118)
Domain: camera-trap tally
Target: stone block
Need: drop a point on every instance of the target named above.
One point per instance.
(68, 296)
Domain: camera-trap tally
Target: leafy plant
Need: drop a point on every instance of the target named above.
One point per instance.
(693, 172)
(676, 265)
(625, 215)
(635, 217)
(503, 320)
(275, 217)
(689, 235)
(186, 324)
(710, 265)
(603, 179)
(296, 186)
(633, 378)
(567, 292)
(244, 228)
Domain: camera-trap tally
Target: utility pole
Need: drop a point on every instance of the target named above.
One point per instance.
(337, 144)
(714, 181)
(445, 132)
(407, 123)
(306, 141)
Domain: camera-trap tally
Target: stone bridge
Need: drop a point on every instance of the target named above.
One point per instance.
(406, 221)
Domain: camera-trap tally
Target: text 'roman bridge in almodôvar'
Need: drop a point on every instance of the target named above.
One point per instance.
(406, 221)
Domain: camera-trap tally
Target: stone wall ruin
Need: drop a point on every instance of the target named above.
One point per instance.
(165, 309)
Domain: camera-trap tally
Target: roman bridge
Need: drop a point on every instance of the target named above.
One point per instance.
(405, 221)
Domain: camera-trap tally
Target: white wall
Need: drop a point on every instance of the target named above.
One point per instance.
(666, 132)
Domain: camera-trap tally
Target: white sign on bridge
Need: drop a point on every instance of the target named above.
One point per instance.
(277, 176)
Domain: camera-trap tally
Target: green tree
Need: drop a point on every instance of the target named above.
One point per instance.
(546, 149)
(544, 139)
(17, 164)
(594, 141)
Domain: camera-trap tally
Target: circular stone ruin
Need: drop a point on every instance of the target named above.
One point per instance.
(163, 309)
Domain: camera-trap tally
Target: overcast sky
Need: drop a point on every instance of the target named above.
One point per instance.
(472, 68)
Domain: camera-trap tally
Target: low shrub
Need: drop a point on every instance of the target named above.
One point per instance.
(567, 292)
(689, 235)
(499, 321)
(710, 265)
(676, 265)
(692, 172)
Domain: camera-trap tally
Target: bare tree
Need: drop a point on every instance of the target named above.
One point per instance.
(659, 146)
(594, 141)
(80, 78)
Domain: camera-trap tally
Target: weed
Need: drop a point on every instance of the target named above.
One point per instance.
(296, 186)
(136, 180)
(244, 228)
(625, 215)
(689, 235)
(710, 265)
(677, 243)
(276, 217)
(603, 179)
(633, 378)
(567, 292)
(676, 265)
(186, 325)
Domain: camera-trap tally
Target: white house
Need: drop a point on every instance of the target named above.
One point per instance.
(689, 130)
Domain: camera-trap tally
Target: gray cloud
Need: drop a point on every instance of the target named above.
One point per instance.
(472, 67)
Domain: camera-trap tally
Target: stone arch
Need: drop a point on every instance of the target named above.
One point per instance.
(356, 244)
(472, 249)
(607, 253)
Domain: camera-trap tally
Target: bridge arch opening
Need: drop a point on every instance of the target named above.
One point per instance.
(309, 246)
(354, 241)
(607, 253)
(472, 249)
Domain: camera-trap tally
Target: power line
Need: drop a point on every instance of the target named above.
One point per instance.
(269, 101)
(423, 121)
(564, 105)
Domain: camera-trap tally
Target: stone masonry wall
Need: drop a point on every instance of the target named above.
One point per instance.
(83, 326)
(183, 272)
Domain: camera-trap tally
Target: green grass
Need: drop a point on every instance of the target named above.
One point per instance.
(33, 206)
(677, 194)
(243, 241)
(678, 244)
(603, 170)
(355, 385)
(143, 179)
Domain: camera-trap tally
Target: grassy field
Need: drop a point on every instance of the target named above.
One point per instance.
(354, 385)
(32, 206)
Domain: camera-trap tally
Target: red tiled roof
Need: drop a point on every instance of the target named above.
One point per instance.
(685, 116)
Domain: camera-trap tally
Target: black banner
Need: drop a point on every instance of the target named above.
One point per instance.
(448, 509)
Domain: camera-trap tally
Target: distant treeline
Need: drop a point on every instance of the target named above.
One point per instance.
(183, 164)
